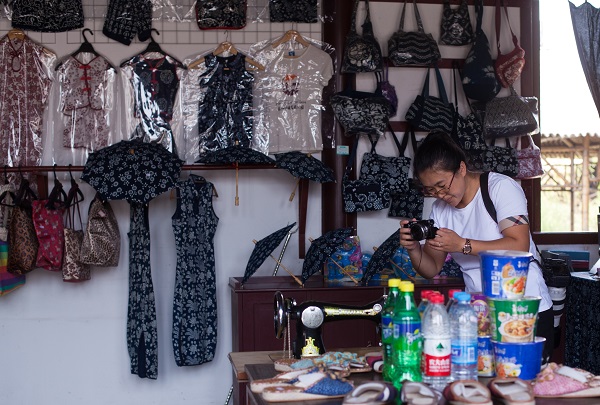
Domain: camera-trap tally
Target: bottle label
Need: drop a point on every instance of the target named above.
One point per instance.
(408, 343)
(464, 353)
(387, 329)
(436, 357)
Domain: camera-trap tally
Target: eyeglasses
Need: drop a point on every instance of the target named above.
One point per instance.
(442, 191)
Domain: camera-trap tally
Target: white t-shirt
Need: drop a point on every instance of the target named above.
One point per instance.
(287, 99)
(474, 222)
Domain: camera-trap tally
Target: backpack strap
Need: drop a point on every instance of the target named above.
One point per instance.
(485, 194)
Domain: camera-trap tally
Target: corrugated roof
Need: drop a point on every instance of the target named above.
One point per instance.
(562, 145)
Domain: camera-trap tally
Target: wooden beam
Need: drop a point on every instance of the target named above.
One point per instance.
(585, 181)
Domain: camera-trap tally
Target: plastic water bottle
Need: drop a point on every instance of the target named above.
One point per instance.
(463, 321)
(437, 341)
(424, 301)
(408, 341)
(387, 327)
(451, 299)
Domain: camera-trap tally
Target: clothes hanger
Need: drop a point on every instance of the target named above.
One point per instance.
(291, 35)
(75, 196)
(7, 193)
(16, 33)
(85, 47)
(58, 197)
(228, 47)
(154, 46)
(25, 193)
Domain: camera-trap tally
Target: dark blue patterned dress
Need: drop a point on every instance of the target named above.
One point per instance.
(142, 339)
(195, 298)
(225, 107)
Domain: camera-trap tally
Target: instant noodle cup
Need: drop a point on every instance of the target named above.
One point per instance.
(504, 273)
(522, 360)
(514, 320)
(480, 305)
(485, 357)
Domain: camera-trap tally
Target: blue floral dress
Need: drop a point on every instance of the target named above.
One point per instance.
(142, 338)
(195, 298)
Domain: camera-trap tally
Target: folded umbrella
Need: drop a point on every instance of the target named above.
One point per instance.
(320, 249)
(135, 171)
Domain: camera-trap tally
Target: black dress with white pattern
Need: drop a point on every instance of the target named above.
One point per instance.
(142, 337)
(195, 298)
(47, 16)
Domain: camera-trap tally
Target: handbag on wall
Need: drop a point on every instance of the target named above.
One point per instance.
(390, 171)
(530, 160)
(300, 11)
(478, 78)
(429, 113)
(8, 281)
(456, 26)
(409, 203)
(362, 195)
(73, 270)
(101, 241)
(362, 52)
(508, 66)
(21, 233)
(508, 116)
(361, 112)
(221, 14)
(388, 90)
(412, 47)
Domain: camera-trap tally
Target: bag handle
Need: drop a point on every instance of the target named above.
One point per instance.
(417, 17)
(479, 13)
(499, 5)
(350, 162)
(440, 82)
(367, 19)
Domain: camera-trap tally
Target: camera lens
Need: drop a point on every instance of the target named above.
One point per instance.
(418, 231)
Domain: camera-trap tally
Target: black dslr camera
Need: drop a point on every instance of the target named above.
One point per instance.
(423, 229)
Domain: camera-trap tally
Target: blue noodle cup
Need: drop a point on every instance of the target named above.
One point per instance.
(523, 360)
(485, 357)
(504, 273)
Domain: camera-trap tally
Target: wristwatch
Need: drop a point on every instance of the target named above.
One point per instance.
(467, 247)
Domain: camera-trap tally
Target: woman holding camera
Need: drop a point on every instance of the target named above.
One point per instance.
(465, 226)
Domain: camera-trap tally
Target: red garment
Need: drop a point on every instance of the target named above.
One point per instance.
(49, 229)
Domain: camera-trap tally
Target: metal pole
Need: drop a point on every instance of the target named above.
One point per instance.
(285, 243)
(229, 395)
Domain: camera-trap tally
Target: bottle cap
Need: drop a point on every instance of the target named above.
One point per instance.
(407, 286)
(452, 292)
(462, 296)
(436, 298)
(426, 293)
(394, 282)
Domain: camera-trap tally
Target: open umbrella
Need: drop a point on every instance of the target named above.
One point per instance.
(382, 256)
(135, 171)
(235, 155)
(263, 249)
(304, 166)
(320, 249)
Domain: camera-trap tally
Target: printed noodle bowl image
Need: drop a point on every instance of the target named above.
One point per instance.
(520, 330)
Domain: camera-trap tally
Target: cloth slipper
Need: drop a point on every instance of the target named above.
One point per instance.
(558, 381)
(316, 384)
(292, 364)
(257, 386)
(511, 391)
(417, 393)
(467, 392)
(372, 393)
(375, 360)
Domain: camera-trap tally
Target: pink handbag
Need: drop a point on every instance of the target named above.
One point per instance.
(530, 160)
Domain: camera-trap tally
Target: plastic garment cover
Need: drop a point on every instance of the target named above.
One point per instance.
(298, 11)
(586, 26)
(85, 90)
(288, 94)
(216, 99)
(25, 80)
(151, 95)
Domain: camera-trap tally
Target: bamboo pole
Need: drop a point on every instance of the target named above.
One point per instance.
(282, 266)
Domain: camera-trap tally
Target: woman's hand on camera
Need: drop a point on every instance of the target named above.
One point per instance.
(405, 239)
(446, 240)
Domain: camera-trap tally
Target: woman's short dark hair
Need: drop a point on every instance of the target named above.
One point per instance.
(438, 152)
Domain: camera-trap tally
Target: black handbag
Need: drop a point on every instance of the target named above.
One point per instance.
(478, 78)
(362, 53)
(430, 113)
(409, 203)
(362, 195)
(300, 11)
(389, 171)
(412, 47)
(361, 112)
(456, 26)
(221, 14)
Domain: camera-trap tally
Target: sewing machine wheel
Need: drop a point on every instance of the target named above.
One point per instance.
(280, 316)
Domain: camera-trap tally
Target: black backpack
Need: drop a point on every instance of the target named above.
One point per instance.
(478, 76)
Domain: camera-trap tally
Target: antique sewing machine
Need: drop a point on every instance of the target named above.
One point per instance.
(310, 316)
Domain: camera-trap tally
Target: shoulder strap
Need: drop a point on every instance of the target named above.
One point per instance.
(418, 17)
(401, 27)
(479, 14)
(353, 21)
(485, 194)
